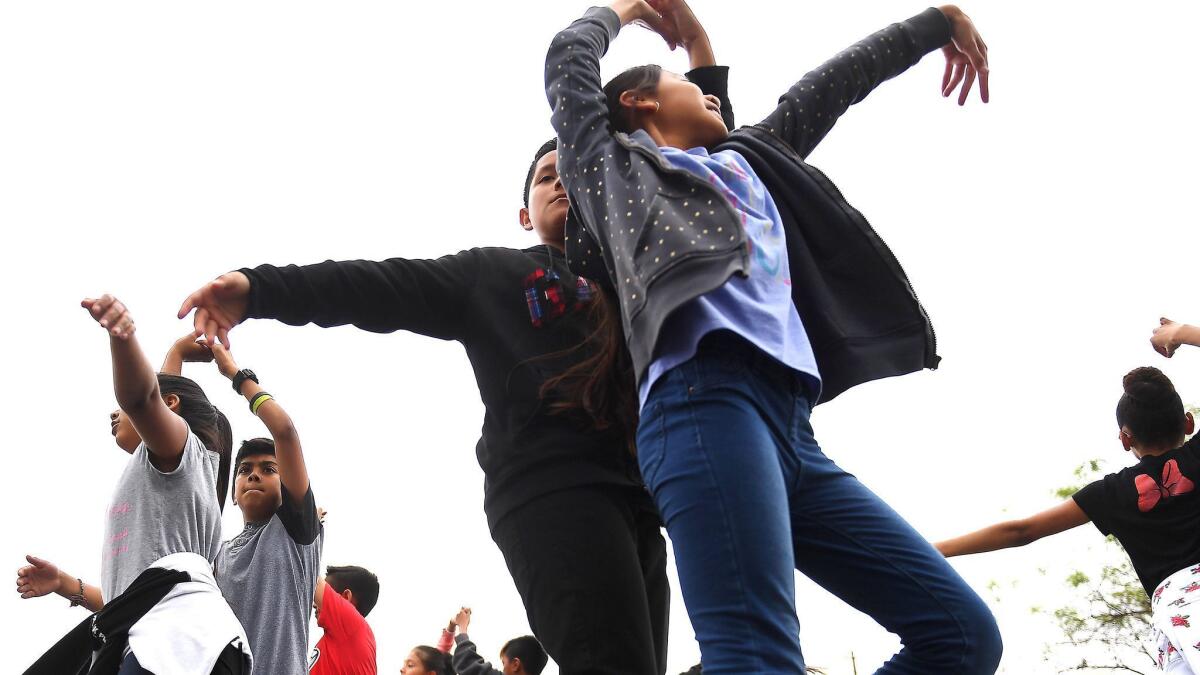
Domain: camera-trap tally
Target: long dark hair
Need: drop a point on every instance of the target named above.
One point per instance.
(434, 660)
(208, 423)
(639, 78)
(601, 386)
(1151, 408)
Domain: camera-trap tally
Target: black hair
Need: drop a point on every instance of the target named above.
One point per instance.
(434, 660)
(547, 148)
(208, 423)
(1151, 409)
(361, 582)
(254, 446)
(529, 650)
(639, 78)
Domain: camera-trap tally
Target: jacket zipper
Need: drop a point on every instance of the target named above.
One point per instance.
(896, 261)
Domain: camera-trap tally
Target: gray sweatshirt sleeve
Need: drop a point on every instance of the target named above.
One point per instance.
(808, 110)
(467, 660)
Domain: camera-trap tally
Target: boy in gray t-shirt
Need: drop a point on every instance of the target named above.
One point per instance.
(268, 573)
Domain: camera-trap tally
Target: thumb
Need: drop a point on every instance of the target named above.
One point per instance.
(1162, 321)
(36, 561)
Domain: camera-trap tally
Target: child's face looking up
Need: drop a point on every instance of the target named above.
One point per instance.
(685, 114)
(257, 488)
(548, 204)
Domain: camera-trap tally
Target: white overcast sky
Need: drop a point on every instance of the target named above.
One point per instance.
(146, 147)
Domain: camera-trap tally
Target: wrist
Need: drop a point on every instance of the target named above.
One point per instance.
(951, 12)
(626, 10)
(1186, 335)
(68, 585)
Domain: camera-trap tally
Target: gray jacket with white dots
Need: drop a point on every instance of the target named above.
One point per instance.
(662, 236)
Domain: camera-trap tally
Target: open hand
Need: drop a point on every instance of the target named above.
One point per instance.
(38, 578)
(111, 314)
(684, 29)
(220, 305)
(966, 57)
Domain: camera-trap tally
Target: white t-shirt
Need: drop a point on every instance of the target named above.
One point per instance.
(185, 633)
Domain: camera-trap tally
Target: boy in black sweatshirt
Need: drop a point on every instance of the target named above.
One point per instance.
(564, 502)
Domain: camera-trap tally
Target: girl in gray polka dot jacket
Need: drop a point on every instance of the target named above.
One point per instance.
(750, 291)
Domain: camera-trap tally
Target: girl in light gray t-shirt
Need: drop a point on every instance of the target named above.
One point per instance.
(165, 513)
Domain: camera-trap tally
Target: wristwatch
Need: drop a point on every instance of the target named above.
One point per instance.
(240, 377)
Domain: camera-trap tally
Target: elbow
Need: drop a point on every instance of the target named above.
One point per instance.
(285, 433)
(1021, 533)
(133, 403)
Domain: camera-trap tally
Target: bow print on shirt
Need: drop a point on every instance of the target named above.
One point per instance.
(1174, 483)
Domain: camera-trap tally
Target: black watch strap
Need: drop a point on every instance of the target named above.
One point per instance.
(240, 377)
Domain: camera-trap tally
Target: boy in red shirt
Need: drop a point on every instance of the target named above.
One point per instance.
(343, 599)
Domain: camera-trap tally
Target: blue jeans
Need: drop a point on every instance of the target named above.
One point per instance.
(726, 447)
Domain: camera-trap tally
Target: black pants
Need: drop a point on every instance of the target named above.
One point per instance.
(590, 564)
(230, 662)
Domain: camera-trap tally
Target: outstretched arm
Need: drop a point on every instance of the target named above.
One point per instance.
(424, 296)
(1016, 532)
(1171, 335)
(136, 385)
(808, 110)
(292, 471)
(42, 577)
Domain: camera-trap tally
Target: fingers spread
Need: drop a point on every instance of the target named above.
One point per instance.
(189, 303)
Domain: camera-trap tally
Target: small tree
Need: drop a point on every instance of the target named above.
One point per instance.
(1106, 628)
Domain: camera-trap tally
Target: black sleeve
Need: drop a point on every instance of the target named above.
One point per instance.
(422, 296)
(810, 108)
(300, 519)
(714, 80)
(583, 256)
(1093, 498)
(467, 660)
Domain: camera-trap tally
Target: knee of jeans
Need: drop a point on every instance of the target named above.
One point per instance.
(982, 645)
(968, 644)
(986, 644)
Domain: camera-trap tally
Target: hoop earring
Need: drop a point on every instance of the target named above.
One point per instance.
(657, 106)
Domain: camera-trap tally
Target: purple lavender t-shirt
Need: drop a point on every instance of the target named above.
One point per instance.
(757, 307)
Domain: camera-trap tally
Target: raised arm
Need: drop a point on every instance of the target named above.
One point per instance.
(136, 385)
(292, 471)
(466, 658)
(185, 350)
(686, 30)
(42, 577)
(423, 296)
(810, 108)
(1016, 532)
(1171, 335)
